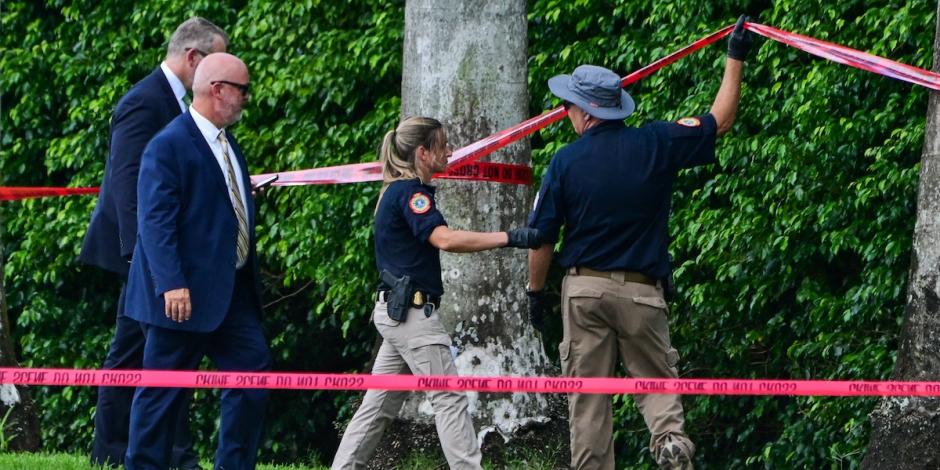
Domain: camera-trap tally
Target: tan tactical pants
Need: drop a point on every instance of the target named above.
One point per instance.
(419, 346)
(604, 320)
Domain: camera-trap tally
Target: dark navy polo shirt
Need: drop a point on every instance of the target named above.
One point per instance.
(611, 189)
(404, 220)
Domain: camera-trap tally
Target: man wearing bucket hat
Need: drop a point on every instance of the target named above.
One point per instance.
(611, 188)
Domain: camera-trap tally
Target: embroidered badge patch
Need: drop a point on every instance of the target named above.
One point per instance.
(689, 122)
(420, 203)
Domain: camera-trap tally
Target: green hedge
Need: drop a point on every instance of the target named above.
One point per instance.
(791, 253)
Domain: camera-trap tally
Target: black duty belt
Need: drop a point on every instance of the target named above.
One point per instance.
(621, 276)
(419, 300)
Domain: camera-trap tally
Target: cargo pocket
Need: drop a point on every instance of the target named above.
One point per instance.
(655, 302)
(431, 354)
(564, 353)
(580, 299)
(672, 357)
(574, 290)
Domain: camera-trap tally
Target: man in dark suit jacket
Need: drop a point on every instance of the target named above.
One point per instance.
(193, 283)
(109, 242)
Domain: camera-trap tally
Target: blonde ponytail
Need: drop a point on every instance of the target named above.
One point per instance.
(397, 152)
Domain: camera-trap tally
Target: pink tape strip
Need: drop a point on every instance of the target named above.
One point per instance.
(13, 193)
(362, 172)
(370, 171)
(851, 57)
(313, 381)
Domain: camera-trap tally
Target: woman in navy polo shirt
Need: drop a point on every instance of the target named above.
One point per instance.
(409, 234)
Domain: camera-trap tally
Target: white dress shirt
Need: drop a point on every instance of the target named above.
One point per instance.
(211, 134)
(175, 84)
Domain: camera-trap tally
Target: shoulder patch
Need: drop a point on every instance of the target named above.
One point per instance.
(419, 203)
(689, 122)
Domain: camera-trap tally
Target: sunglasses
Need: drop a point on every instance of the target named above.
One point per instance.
(242, 87)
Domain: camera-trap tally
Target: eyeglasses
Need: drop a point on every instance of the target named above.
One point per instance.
(242, 87)
(200, 51)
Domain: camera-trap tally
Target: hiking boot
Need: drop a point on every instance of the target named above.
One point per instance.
(674, 454)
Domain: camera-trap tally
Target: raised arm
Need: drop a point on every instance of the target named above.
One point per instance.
(725, 106)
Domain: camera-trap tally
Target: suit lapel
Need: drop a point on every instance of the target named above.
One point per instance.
(172, 104)
(199, 141)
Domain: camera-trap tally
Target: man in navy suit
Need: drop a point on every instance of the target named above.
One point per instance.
(193, 282)
(109, 242)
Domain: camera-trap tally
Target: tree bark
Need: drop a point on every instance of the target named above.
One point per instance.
(20, 426)
(904, 429)
(465, 64)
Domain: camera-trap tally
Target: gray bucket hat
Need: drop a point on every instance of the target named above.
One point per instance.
(595, 90)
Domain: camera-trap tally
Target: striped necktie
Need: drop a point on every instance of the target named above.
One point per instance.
(237, 204)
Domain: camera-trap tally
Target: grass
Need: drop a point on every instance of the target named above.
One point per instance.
(24, 461)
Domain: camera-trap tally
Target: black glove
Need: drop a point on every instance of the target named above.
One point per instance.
(740, 40)
(537, 306)
(524, 238)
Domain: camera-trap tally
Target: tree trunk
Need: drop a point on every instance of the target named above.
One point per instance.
(19, 426)
(904, 429)
(465, 64)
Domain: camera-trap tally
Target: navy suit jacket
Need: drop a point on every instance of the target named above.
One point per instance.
(187, 230)
(139, 114)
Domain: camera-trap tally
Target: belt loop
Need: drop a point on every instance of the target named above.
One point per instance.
(618, 276)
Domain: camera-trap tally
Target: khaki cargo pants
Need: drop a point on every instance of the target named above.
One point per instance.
(418, 346)
(603, 320)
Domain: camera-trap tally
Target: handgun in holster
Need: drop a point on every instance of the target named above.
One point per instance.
(400, 295)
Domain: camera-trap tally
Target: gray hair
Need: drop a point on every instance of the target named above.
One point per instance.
(195, 33)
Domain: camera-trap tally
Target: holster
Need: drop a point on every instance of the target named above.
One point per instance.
(669, 288)
(669, 285)
(400, 294)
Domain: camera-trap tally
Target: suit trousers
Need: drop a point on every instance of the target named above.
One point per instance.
(603, 320)
(113, 408)
(237, 345)
(418, 346)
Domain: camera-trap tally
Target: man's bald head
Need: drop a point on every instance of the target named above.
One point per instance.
(220, 88)
(218, 67)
